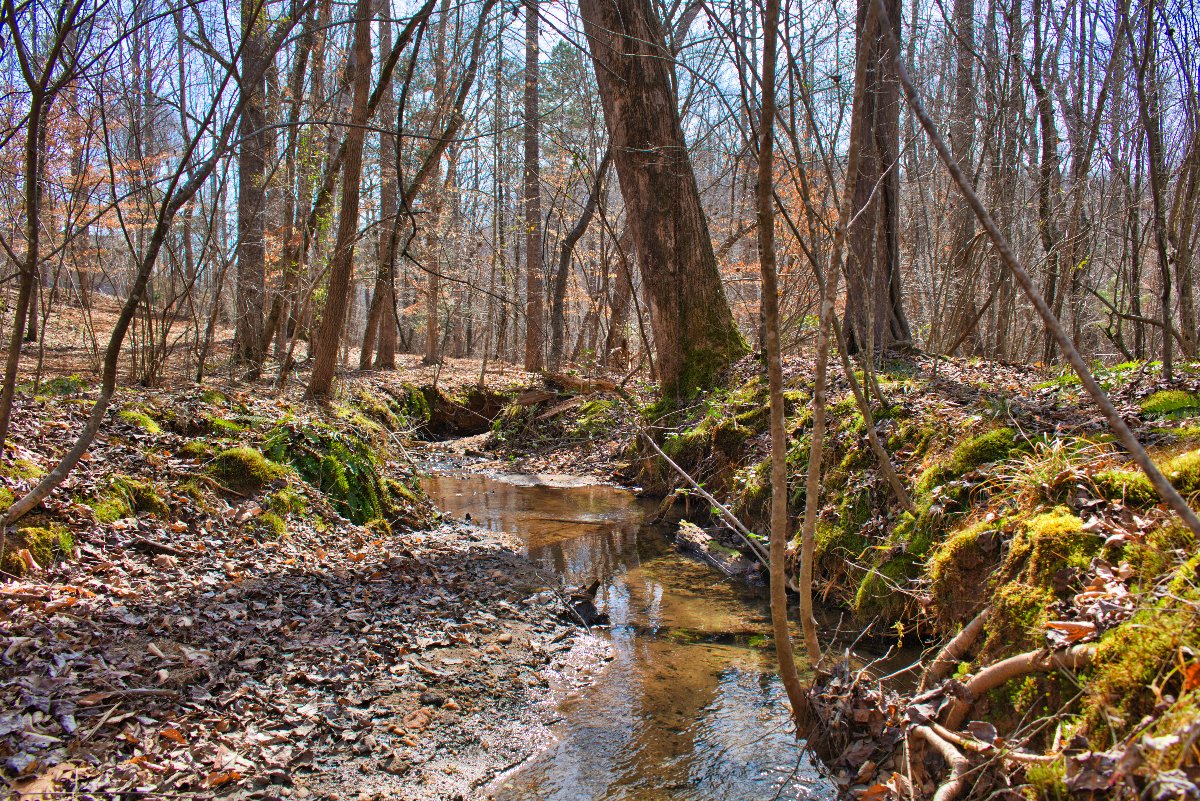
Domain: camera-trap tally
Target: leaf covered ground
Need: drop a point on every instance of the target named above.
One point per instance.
(212, 607)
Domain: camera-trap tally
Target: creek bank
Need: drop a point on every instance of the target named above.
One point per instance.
(244, 596)
(1025, 506)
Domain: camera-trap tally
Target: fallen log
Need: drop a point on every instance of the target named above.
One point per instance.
(582, 385)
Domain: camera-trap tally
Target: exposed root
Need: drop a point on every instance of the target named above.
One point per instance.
(979, 747)
(953, 786)
(954, 651)
(993, 676)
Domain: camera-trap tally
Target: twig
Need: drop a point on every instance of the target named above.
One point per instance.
(726, 514)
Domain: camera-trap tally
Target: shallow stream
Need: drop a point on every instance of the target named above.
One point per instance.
(690, 708)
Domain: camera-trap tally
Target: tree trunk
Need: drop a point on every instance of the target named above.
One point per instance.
(695, 335)
(559, 293)
(342, 266)
(534, 302)
(252, 190)
(381, 319)
(962, 143)
(875, 316)
(1147, 90)
(780, 530)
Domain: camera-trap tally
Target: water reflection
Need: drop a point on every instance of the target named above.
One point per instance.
(690, 708)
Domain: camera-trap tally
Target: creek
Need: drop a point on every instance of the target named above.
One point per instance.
(690, 707)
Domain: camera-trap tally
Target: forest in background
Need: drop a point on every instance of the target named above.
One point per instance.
(215, 153)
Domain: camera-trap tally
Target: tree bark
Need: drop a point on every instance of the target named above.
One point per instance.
(695, 335)
(534, 302)
(342, 267)
(559, 289)
(252, 189)
(381, 318)
(780, 530)
(875, 316)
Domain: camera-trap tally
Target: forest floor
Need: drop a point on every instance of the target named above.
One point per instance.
(241, 594)
(188, 617)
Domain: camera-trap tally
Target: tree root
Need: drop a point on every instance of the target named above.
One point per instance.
(979, 747)
(993, 676)
(954, 651)
(953, 786)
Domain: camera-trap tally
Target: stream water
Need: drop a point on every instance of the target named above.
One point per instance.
(690, 708)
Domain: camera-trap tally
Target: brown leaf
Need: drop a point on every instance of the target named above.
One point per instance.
(173, 735)
(219, 777)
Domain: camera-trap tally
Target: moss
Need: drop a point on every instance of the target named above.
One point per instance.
(194, 489)
(1136, 667)
(342, 464)
(46, 544)
(20, 468)
(270, 526)
(1018, 618)
(139, 419)
(959, 567)
(1159, 552)
(377, 410)
(63, 385)
(1133, 487)
(1183, 471)
(197, 449)
(594, 417)
(214, 397)
(287, 501)
(881, 591)
(7, 498)
(991, 446)
(1171, 403)
(836, 548)
(718, 344)
(730, 438)
(124, 496)
(1047, 780)
(1048, 544)
(244, 469)
(223, 427)
(379, 527)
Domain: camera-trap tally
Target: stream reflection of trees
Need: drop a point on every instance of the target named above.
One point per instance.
(672, 717)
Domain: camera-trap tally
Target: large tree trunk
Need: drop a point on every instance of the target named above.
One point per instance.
(381, 319)
(534, 302)
(333, 316)
(695, 335)
(252, 191)
(875, 316)
(962, 143)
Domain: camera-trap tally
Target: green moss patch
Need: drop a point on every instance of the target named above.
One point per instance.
(139, 419)
(342, 464)
(21, 468)
(46, 544)
(1048, 545)
(244, 469)
(1171, 403)
(1133, 487)
(960, 566)
(124, 496)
